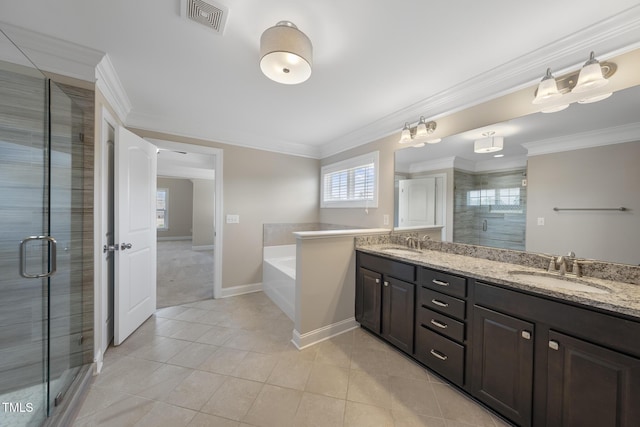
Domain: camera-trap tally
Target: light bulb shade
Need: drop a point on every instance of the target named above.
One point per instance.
(547, 89)
(595, 98)
(286, 54)
(405, 136)
(590, 76)
(488, 145)
(424, 129)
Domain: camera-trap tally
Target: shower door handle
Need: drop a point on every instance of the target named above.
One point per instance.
(53, 257)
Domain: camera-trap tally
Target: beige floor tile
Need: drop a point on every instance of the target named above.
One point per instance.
(223, 361)
(412, 396)
(233, 399)
(161, 349)
(191, 315)
(499, 422)
(370, 389)
(195, 390)
(167, 327)
(193, 355)
(415, 420)
(361, 415)
(291, 373)
(191, 332)
(399, 365)
(274, 407)
(457, 407)
(242, 340)
(213, 317)
(125, 374)
(123, 413)
(319, 411)
(256, 366)
(328, 380)
(170, 312)
(99, 398)
(162, 381)
(332, 353)
(217, 335)
(165, 415)
(363, 339)
(206, 420)
(371, 361)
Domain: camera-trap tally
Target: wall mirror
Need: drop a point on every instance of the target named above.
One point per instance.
(558, 184)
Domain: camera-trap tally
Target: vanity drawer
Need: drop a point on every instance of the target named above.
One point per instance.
(440, 354)
(399, 270)
(441, 303)
(443, 282)
(440, 323)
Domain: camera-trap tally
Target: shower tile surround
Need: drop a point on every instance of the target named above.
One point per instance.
(623, 279)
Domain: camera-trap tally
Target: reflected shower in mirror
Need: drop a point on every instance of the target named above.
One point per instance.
(545, 190)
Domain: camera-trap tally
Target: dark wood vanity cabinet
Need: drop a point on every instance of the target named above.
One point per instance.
(589, 384)
(502, 373)
(385, 299)
(536, 360)
(440, 323)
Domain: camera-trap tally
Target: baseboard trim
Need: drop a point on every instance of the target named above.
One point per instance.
(302, 341)
(202, 248)
(241, 290)
(172, 238)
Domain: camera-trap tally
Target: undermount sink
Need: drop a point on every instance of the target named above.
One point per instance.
(401, 251)
(552, 281)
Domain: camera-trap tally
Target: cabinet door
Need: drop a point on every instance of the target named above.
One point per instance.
(588, 385)
(398, 307)
(502, 369)
(368, 299)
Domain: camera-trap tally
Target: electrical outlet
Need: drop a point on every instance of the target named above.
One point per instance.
(233, 219)
(385, 219)
(524, 182)
(540, 221)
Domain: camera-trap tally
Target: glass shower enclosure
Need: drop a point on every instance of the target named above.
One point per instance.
(42, 223)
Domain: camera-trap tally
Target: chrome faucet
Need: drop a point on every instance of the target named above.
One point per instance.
(565, 264)
(412, 242)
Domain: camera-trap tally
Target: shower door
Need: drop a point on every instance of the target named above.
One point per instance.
(41, 241)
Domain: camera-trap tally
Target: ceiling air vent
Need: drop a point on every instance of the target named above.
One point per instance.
(210, 14)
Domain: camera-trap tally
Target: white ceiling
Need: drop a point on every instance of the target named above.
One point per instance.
(377, 63)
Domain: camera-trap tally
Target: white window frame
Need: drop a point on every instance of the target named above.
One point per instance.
(166, 208)
(343, 165)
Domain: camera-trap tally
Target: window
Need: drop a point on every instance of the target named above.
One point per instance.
(351, 183)
(500, 200)
(162, 209)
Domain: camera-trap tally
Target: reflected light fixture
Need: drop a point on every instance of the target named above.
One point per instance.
(490, 144)
(286, 54)
(405, 136)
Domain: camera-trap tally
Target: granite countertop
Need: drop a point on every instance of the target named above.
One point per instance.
(623, 298)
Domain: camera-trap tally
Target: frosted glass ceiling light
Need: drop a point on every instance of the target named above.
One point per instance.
(590, 76)
(286, 54)
(547, 89)
(405, 136)
(488, 145)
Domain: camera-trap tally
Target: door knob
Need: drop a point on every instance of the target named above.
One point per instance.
(125, 246)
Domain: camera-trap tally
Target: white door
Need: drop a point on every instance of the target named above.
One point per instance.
(135, 229)
(417, 205)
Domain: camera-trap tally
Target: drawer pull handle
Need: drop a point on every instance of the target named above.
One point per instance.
(440, 282)
(554, 345)
(439, 324)
(439, 303)
(438, 354)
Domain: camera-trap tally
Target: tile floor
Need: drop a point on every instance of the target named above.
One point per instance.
(229, 362)
(183, 275)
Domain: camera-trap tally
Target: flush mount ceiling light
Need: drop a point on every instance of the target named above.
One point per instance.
(490, 144)
(420, 134)
(551, 93)
(286, 54)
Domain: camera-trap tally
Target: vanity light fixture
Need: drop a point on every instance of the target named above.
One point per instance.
(286, 54)
(490, 144)
(419, 134)
(584, 83)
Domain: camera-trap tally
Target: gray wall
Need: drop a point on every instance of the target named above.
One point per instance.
(203, 212)
(180, 207)
(607, 176)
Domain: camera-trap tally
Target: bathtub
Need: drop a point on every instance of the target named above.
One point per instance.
(279, 276)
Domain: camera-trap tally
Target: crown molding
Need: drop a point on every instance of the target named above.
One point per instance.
(613, 36)
(597, 138)
(111, 87)
(154, 124)
(55, 55)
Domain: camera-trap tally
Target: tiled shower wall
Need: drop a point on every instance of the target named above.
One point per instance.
(503, 230)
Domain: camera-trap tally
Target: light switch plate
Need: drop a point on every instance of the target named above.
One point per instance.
(541, 221)
(233, 219)
(385, 219)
